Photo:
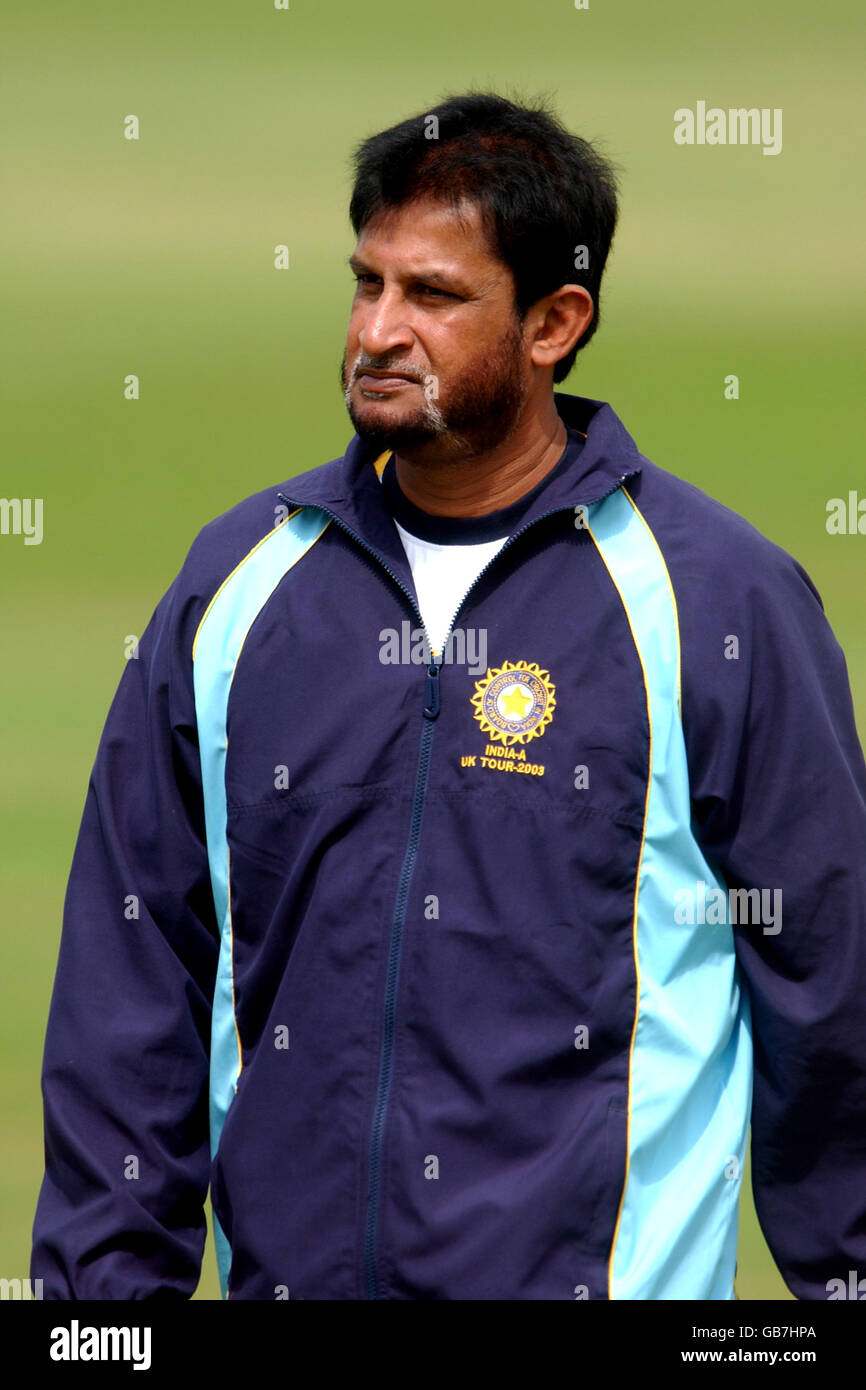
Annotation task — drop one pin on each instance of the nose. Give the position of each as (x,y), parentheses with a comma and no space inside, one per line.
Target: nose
(384,328)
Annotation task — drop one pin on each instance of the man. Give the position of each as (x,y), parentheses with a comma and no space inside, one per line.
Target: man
(478,839)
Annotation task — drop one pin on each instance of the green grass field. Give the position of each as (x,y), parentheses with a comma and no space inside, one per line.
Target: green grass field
(156,258)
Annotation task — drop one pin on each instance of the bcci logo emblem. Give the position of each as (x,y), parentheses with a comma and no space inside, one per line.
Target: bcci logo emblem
(514,702)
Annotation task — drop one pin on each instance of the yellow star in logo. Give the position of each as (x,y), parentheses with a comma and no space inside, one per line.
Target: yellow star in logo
(516,701)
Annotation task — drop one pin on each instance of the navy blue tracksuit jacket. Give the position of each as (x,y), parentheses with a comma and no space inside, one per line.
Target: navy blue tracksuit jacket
(458,983)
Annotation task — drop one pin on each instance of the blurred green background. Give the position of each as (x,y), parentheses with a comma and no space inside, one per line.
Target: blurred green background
(155,257)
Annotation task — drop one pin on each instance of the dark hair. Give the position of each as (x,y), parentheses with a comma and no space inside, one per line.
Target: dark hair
(541,191)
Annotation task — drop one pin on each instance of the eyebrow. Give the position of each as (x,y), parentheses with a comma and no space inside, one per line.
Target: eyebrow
(432,277)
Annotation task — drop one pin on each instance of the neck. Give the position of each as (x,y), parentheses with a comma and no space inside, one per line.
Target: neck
(490,481)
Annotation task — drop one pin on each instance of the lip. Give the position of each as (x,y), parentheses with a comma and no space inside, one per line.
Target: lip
(383,381)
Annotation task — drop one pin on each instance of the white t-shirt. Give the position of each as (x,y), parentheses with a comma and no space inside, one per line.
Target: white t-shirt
(442,575)
(447,554)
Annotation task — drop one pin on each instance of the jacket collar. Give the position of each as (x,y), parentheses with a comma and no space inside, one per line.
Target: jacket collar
(349,489)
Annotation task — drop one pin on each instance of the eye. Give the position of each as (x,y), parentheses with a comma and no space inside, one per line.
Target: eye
(436,292)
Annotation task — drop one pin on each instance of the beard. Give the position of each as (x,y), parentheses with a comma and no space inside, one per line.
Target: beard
(478,413)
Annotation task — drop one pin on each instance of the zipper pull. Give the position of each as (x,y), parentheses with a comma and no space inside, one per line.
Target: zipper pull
(431,692)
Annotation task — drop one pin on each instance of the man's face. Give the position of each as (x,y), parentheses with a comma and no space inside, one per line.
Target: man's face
(434,305)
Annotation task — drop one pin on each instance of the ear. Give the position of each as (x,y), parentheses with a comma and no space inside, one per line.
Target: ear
(556,322)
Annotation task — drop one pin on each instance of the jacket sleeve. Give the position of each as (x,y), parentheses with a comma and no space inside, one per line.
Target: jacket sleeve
(125,1070)
(780,792)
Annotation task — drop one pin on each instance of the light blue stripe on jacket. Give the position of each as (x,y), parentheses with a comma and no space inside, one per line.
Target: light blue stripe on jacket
(690,1081)
(220,637)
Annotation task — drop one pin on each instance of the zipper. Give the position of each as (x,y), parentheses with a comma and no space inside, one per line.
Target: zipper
(431,708)
(386,1059)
